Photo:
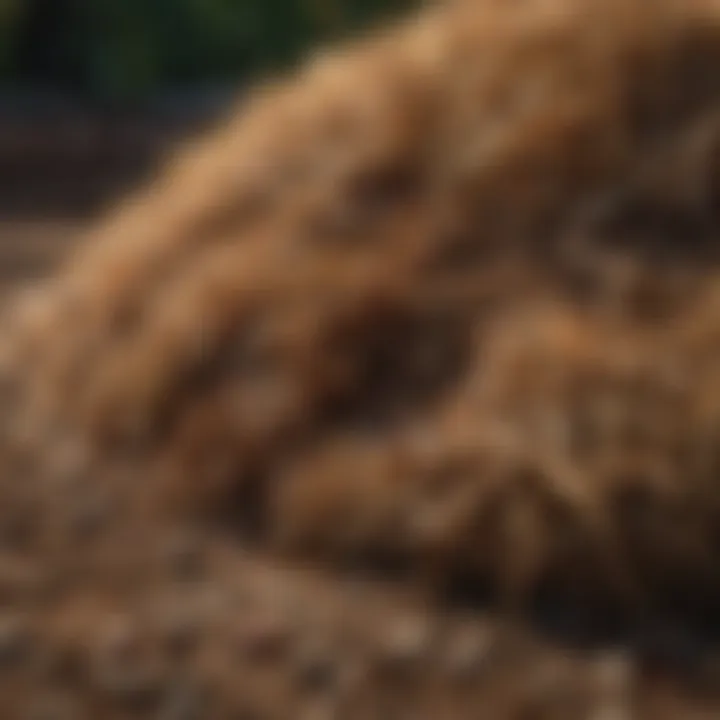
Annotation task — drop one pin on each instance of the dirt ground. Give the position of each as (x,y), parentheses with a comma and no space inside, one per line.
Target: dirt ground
(30,249)
(110,609)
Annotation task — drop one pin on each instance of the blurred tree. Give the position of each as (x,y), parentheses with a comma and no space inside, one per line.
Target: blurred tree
(120,49)
(9,11)
(42,53)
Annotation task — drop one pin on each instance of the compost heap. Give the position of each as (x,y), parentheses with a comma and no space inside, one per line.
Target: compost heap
(418,349)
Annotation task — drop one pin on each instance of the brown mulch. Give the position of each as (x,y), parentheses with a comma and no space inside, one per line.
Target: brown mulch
(394,397)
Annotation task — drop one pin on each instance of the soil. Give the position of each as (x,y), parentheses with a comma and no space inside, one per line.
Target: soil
(325,423)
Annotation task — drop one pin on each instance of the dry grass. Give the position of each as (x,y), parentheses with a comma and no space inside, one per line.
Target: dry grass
(446,301)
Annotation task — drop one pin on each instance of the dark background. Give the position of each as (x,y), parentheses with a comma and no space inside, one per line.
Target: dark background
(124,51)
(94,94)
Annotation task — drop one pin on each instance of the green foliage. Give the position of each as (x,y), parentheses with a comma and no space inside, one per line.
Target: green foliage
(9,14)
(127,48)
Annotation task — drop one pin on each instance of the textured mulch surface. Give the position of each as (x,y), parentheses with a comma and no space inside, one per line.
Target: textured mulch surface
(396,396)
